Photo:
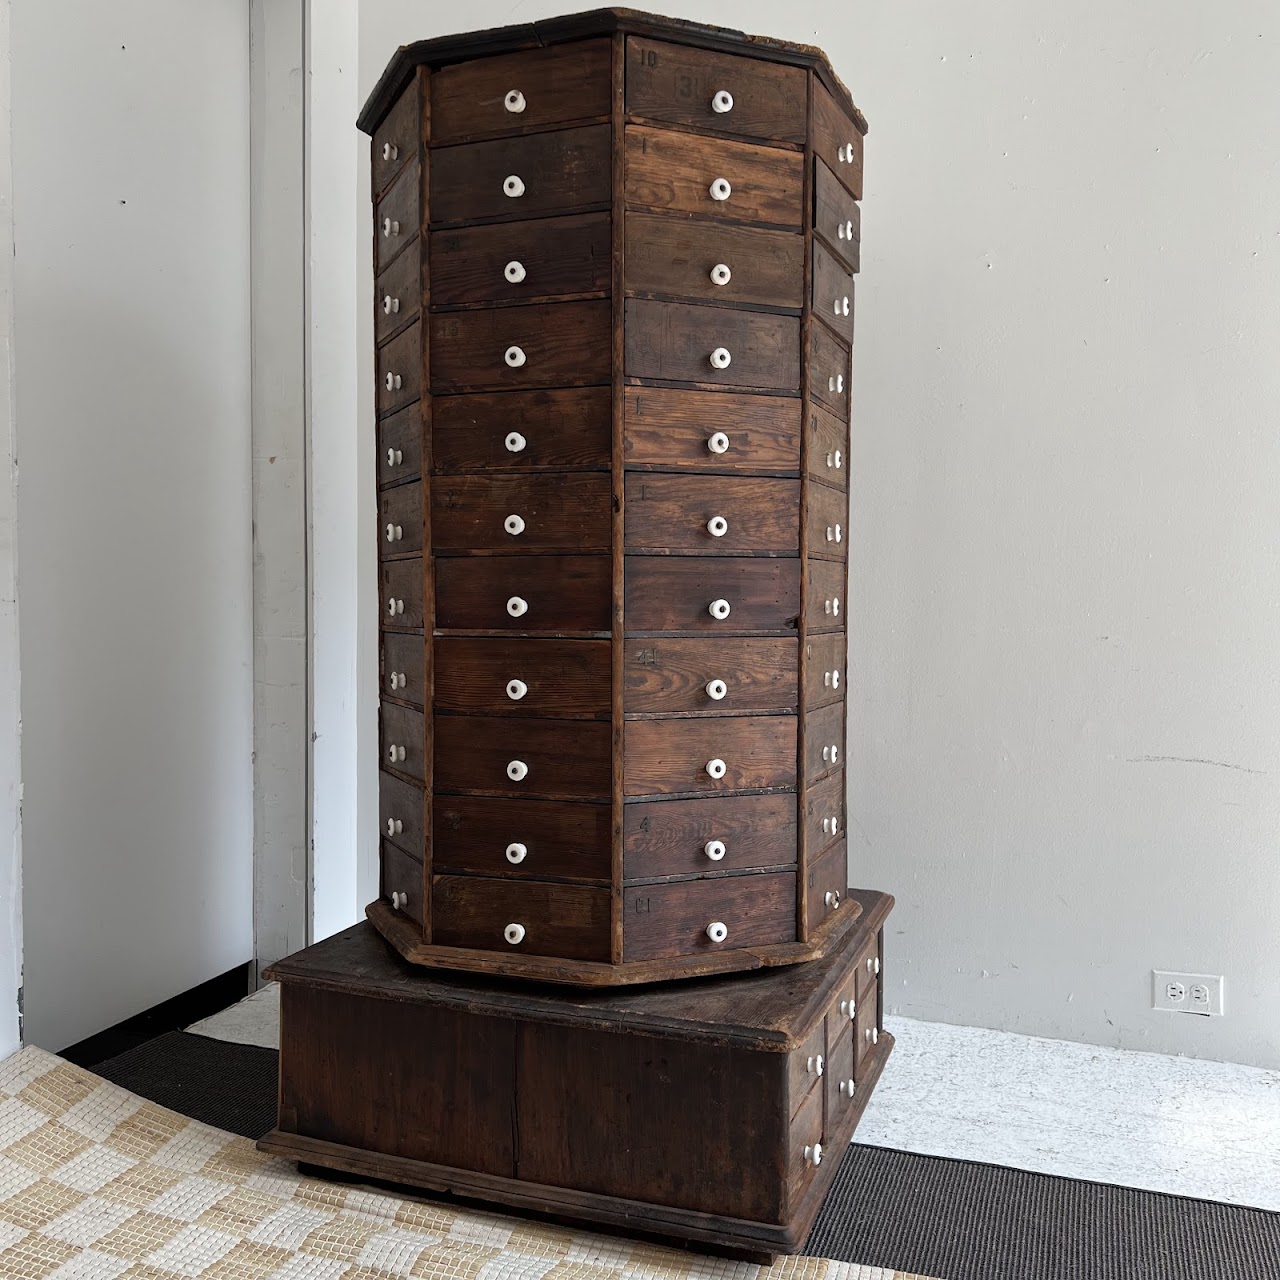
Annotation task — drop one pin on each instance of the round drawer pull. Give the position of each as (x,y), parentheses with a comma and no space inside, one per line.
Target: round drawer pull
(846,1088)
(716,768)
(846,153)
(835,533)
(718,443)
(872,1035)
(720,274)
(826,678)
(815,1066)
(399,900)
(720,189)
(394,457)
(395,754)
(514,271)
(834,460)
(833,606)
(393,382)
(714,849)
(717,931)
(515,442)
(836,383)
(397,680)
(513,185)
(390,151)
(848,1007)
(720,358)
(517,607)
(717,526)
(517,852)
(831,754)
(844,231)
(813,1154)
(835,679)
(873,965)
(395,532)
(394,826)
(390,305)
(832,898)
(514,934)
(517,770)
(514,102)
(830,825)
(395,606)
(841,305)
(719,609)
(390,227)
(516,689)
(722,102)
(514,356)
(716,689)
(514,525)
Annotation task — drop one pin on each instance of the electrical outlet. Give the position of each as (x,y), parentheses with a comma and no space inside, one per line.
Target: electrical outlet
(1187,993)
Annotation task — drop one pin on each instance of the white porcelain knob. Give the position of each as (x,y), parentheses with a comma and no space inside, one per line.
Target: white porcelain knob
(514,271)
(514,934)
(515,442)
(873,965)
(831,754)
(716,768)
(395,606)
(844,231)
(846,1088)
(513,185)
(833,606)
(397,680)
(390,227)
(719,609)
(815,1066)
(828,826)
(813,1154)
(846,153)
(517,852)
(517,607)
(514,102)
(399,900)
(873,1035)
(514,525)
(390,305)
(717,931)
(834,460)
(517,770)
(718,443)
(516,689)
(835,533)
(722,102)
(717,526)
(842,307)
(390,151)
(393,382)
(716,689)
(720,189)
(514,356)
(835,679)
(832,898)
(847,1007)
(395,753)
(395,532)
(836,383)
(720,274)
(720,358)
(394,457)
(394,826)
(714,849)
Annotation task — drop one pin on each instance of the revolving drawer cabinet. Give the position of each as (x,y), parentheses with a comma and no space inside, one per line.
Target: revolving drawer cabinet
(614,262)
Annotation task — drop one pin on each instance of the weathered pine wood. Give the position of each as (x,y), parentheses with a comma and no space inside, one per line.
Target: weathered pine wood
(554,513)
(395,218)
(395,141)
(400,521)
(670,757)
(837,216)
(832,292)
(824,816)
(671,676)
(828,451)
(402,666)
(400,447)
(400,370)
(674,515)
(828,523)
(563,679)
(399,296)
(676,594)
(401,594)
(400,813)
(570,595)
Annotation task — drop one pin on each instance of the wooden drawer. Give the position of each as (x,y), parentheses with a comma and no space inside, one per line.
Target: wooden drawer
(824,813)
(828,523)
(829,371)
(401,667)
(395,218)
(826,607)
(806,1067)
(682,757)
(402,881)
(668,428)
(520,916)
(828,447)
(839,1082)
(676,341)
(825,885)
(400,814)
(400,521)
(563,679)
(571,594)
(563,760)
(400,447)
(867,970)
(713,261)
(712,515)
(677,918)
(521,838)
(825,660)
(832,292)
(400,370)
(837,218)
(517,92)
(670,837)
(521,261)
(824,741)
(669,172)
(568,429)
(561,172)
(403,740)
(704,89)
(399,295)
(837,140)
(677,594)
(400,594)
(505,348)
(840,1020)
(687,674)
(806,1146)
(521,513)
(397,138)
(866,1033)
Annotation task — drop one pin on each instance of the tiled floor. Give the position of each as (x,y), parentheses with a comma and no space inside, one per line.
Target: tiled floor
(1204,1129)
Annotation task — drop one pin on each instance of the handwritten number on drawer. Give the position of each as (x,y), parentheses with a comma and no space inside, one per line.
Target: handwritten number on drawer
(648,57)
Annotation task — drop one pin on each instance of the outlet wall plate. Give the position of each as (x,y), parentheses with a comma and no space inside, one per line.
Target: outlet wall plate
(1200,993)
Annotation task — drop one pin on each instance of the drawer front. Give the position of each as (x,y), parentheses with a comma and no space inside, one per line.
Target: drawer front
(824,813)
(399,295)
(867,971)
(716,431)
(866,1034)
(509,178)
(521,917)
(395,142)
(400,370)
(521,513)
(708,90)
(506,348)
(828,447)
(837,141)
(545,839)
(738,753)
(513,92)
(395,218)
(402,882)
(828,523)
(554,759)
(678,594)
(400,447)
(840,1022)
(520,261)
(839,1081)
(570,595)
(400,520)
(400,814)
(825,661)
(825,885)
(712,515)
(832,292)
(403,740)
(829,371)
(677,342)
(563,679)
(401,594)
(826,607)
(824,741)
(806,1067)
(678,918)
(806,1144)
(403,660)
(697,673)
(837,217)
(713,261)
(668,172)
(670,837)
